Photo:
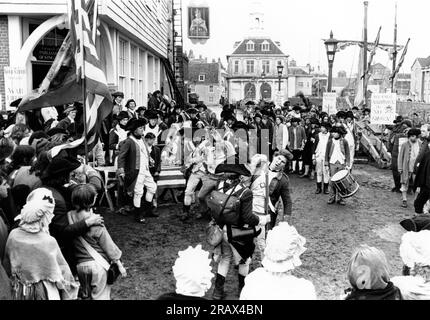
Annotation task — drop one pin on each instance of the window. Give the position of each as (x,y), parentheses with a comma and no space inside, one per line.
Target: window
(236,67)
(123,57)
(300,84)
(202,77)
(265,46)
(266,66)
(133,60)
(250,66)
(211,88)
(141,78)
(211,99)
(250,46)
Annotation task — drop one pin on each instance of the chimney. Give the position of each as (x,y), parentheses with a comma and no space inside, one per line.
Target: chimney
(213,60)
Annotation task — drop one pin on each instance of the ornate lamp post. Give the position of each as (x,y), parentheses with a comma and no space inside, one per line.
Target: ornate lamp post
(280,70)
(331,47)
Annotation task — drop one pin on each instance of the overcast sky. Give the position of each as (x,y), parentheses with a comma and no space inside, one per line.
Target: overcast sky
(301,24)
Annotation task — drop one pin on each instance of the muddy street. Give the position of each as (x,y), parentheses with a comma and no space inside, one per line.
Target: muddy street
(371,217)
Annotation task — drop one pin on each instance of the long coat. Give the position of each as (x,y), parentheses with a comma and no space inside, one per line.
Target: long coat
(404,159)
(301,134)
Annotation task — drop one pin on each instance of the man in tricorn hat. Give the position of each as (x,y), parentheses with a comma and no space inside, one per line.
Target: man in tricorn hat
(231,248)
(133,168)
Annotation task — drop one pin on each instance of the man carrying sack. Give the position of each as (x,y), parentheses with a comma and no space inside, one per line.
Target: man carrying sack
(230,204)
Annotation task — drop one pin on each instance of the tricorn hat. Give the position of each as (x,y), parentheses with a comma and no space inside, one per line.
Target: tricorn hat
(239,169)
(134,123)
(151,114)
(297,108)
(341,114)
(192,111)
(350,114)
(294,119)
(118,94)
(122,115)
(60,166)
(326,125)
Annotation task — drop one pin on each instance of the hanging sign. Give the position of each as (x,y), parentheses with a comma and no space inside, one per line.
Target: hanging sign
(198,23)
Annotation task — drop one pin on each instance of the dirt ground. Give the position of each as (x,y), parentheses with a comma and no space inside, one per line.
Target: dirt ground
(371,217)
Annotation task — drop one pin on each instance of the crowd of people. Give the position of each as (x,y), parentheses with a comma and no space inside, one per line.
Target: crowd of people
(54,245)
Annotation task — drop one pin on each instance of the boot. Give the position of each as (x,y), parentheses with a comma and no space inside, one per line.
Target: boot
(138,215)
(241,283)
(219,293)
(149,210)
(186,214)
(318,188)
(326,188)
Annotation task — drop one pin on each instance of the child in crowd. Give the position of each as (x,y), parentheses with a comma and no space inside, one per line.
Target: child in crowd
(95,251)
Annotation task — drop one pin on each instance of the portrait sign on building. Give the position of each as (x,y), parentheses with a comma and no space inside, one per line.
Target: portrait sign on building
(198,23)
(15,82)
(383,108)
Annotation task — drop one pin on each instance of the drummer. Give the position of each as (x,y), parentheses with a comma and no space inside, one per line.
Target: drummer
(337,158)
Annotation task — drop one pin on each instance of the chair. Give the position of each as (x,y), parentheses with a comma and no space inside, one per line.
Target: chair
(109,181)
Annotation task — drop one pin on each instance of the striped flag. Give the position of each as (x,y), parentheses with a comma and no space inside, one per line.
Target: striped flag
(402,59)
(98,102)
(372,54)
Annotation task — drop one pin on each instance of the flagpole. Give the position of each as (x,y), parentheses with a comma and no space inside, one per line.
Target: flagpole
(395,48)
(95,21)
(84,89)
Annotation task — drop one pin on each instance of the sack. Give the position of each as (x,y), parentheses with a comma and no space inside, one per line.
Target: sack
(214,234)
(242,234)
(224,208)
(112,274)
(186,171)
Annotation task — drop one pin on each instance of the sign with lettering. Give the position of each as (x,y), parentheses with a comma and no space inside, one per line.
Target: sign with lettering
(46,53)
(15,83)
(383,110)
(329,102)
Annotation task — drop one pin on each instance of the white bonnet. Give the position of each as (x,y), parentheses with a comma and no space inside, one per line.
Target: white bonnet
(284,246)
(415,248)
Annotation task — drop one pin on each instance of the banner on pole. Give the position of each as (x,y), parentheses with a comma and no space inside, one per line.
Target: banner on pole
(15,83)
(329,102)
(383,108)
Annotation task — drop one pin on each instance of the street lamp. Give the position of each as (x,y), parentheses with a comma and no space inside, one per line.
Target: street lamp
(280,70)
(331,47)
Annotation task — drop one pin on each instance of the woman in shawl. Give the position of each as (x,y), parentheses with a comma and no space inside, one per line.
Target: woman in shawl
(274,281)
(193,274)
(368,276)
(33,258)
(415,253)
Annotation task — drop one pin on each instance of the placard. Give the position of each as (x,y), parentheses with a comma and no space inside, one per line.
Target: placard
(383,109)
(15,83)
(329,102)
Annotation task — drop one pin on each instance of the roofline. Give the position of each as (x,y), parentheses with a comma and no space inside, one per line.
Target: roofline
(258,55)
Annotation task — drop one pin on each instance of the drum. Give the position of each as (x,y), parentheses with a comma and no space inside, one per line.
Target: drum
(345,183)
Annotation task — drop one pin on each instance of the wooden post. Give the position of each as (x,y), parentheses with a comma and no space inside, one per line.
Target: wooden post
(394,49)
(365,51)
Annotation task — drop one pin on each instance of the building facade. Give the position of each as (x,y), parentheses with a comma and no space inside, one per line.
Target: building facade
(207,80)
(418,75)
(133,38)
(253,66)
